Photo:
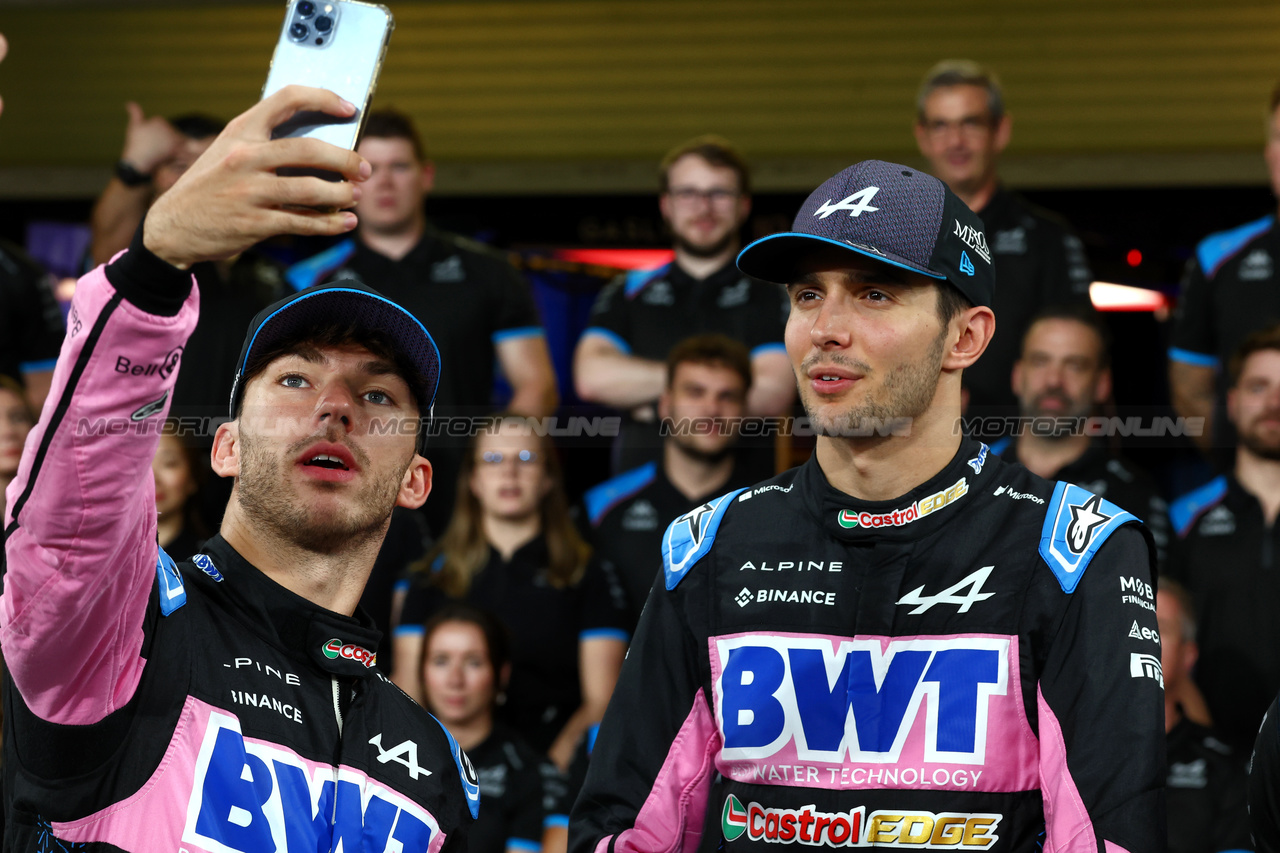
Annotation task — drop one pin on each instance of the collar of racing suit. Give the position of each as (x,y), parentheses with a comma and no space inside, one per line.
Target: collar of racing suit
(331,642)
(918,513)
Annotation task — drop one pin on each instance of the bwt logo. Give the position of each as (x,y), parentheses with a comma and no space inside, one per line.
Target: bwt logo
(252,797)
(859,700)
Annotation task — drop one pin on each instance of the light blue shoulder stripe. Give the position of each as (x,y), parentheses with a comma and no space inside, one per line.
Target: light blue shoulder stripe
(173,593)
(1184,511)
(638,280)
(1076,524)
(691,536)
(313,270)
(524,844)
(1198,359)
(774,346)
(1216,249)
(515,334)
(1000,445)
(609,335)
(601,498)
(38,366)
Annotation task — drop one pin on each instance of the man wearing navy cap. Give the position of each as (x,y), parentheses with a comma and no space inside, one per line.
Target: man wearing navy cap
(906,641)
(230,703)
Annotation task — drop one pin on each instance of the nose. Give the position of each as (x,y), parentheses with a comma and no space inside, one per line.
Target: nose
(832,325)
(336,405)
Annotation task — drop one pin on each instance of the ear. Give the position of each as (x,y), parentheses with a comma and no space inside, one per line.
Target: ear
(1102,387)
(664,404)
(416,484)
(504,676)
(1015,378)
(664,205)
(1232,403)
(922,139)
(1004,131)
(224,458)
(428,176)
(1190,654)
(744,208)
(974,326)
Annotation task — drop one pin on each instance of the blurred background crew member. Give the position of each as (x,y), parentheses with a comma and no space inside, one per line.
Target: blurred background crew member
(1205,789)
(16,419)
(1227,552)
(708,380)
(1231,287)
(961,129)
(464,670)
(31,326)
(481,309)
(620,361)
(1064,375)
(511,549)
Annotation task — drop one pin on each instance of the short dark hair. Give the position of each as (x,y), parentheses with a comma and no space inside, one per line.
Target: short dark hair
(950,301)
(1080,312)
(495,633)
(393,124)
(197,126)
(1259,341)
(961,72)
(331,335)
(714,349)
(716,150)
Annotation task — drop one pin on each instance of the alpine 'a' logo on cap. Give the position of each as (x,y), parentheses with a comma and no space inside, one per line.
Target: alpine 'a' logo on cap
(335,649)
(974,239)
(733,820)
(857,204)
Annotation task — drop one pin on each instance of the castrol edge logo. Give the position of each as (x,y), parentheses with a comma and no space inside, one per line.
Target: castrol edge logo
(900,517)
(811,827)
(335,649)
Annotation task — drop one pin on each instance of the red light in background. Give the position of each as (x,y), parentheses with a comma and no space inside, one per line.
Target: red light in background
(623,259)
(1134,258)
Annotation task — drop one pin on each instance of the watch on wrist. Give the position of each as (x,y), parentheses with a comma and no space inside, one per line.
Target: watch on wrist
(129,175)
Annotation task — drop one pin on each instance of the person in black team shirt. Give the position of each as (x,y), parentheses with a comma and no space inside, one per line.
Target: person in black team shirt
(480,309)
(708,378)
(961,129)
(511,549)
(465,667)
(31,326)
(1062,376)
(1206,784)
(1227,549)
(640,316)
(1230,288)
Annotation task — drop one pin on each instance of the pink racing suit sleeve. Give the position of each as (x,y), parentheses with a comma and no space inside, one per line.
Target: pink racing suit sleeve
(80,518)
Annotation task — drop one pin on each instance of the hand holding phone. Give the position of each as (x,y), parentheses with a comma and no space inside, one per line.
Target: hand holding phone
(337,45)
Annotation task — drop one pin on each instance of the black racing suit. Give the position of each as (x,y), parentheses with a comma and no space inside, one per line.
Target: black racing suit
(199,707)
(952,669)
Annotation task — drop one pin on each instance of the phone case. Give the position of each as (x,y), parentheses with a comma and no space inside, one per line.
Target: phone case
(347,61)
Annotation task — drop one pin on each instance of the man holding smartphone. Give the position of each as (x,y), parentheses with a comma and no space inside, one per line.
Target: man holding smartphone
(230,703)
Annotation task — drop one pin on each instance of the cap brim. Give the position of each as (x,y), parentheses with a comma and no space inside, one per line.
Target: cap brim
(779,257)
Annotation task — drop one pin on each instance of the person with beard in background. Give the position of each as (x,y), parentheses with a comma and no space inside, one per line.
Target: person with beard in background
(620,360)
(708,379)
(1062,376)
(1225,551)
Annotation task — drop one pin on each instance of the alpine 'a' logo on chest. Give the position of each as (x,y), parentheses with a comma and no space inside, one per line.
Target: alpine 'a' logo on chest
(951,595)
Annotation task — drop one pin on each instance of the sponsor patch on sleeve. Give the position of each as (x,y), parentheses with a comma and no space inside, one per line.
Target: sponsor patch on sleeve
(1075,526)
(173,594)
(690,537)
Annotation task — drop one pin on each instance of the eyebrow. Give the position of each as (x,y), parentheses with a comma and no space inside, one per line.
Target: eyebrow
(373,367)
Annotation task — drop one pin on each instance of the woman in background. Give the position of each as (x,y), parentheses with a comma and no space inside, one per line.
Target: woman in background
(464,668)
(179,528)
(511,549)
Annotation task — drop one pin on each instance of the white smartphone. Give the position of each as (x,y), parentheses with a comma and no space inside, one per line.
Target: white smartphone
(330,44)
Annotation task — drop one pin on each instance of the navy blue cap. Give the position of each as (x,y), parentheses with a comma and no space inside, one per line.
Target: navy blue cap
(889,213)
(344,302)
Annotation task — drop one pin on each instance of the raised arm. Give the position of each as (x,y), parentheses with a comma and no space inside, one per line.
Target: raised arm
(80,530)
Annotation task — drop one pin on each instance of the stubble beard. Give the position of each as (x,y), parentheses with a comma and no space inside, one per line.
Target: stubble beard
(1253,440)
(906,393)
(270,505)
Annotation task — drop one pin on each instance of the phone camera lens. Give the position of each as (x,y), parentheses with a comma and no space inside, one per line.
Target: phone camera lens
(306,8)
(298,32)
(324,24)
